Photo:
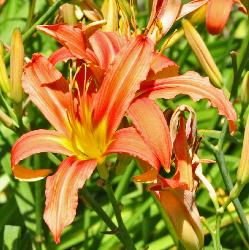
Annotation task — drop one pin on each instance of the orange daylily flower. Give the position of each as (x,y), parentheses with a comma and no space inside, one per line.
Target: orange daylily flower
(85,125)
(162,80)
(112,73)
(217,13)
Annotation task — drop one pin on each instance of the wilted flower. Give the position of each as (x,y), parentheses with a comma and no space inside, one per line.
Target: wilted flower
(176,194)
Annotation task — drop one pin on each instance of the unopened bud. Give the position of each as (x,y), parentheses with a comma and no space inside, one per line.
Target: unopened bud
(198,16)
(180,207)
(245,89)
(90,10)
(16,66)
(4,80)
(243,170)
(110,13)
(202,53)
(68,12)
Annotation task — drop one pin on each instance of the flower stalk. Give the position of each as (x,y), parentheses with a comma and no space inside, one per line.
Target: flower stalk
(127,239)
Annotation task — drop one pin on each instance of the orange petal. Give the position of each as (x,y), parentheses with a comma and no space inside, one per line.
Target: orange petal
(180,207)
(128,141)
(146,177)
(217,15)
(62,54)
(69,36)
(48,90)
(151,124)
(162,67)
(36,141)
(197,87)
(106,45)
(122,80)
(24,174)
(62,193)
(163,16)
(191,7)
(183,160)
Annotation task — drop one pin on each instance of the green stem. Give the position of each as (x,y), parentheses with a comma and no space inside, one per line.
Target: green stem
(102,214)
(123,184)
(130,222)
(127,239)
(43,18)
(219,155)
(210,230)
(244,60)
(119,192)
(31,13)
(217,231)
(38,207)
(235,83)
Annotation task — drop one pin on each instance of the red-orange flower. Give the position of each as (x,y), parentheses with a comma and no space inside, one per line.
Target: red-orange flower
(85,123)
(112,73)
(217,14)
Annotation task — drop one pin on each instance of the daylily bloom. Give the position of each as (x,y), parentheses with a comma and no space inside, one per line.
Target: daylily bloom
(99,49)
(175,194)
(112,71)
(217,13)
(85,125)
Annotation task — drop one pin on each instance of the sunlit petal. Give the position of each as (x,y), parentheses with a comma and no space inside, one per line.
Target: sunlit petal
(47,89)
(162,67)
(151,124)
(128,141)
(106,45)
(69,36)
(197,87)
(191,7)
(62,54)
(36,141)
(163,16)
(62,193)
(122,81)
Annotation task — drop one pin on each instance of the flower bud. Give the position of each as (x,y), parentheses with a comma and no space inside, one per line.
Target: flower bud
(91,10)
(110,13)
(198,16)
(4,80)
(243,170)
(202,53)
(180,207)
(68,12)
(245,89)
(16,66)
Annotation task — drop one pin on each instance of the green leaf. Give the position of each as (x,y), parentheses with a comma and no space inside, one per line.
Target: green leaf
(11,237)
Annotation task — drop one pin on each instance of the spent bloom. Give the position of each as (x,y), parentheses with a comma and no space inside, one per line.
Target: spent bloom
(174,144)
